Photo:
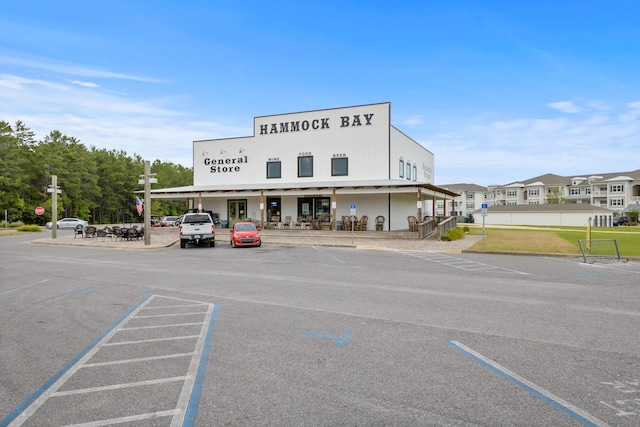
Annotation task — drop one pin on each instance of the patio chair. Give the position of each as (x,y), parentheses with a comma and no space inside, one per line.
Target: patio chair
(132,234)
(275,222)
(78,231)
(90,232)
(362,223)
(379,223)
(118,234)
(297,223)
(413,223)
(287,222)
(325,222)
(344,223)
(101,233)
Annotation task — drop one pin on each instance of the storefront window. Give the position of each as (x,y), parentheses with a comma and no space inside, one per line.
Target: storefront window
(305,166)
(274,170)
(340,166)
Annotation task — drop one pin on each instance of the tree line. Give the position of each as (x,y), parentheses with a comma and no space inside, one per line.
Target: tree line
(97,185)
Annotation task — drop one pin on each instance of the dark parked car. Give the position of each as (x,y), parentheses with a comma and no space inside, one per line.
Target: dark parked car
(620,220)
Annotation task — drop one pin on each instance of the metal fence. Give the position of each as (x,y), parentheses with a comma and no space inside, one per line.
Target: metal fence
(600,249)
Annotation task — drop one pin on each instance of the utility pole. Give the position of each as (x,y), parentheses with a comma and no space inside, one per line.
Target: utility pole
(147,179)
(54,190)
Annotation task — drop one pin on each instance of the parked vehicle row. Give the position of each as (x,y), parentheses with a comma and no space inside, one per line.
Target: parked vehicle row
(68,223)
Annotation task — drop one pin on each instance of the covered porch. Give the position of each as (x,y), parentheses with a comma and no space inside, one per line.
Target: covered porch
(395,200)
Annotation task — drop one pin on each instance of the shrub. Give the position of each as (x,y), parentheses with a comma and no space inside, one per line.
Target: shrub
(30,228)
(15,224)
(453,234)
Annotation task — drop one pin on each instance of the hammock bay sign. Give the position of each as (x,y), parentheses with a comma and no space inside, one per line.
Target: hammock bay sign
(315,124)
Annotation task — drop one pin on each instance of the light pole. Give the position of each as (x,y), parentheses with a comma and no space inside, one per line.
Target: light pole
(54,190)
(147,179)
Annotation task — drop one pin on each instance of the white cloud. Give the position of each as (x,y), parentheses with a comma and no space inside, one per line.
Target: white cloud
(565,106)
(148,127)
(84,84)
(66,68)
(412,121)
(507,151)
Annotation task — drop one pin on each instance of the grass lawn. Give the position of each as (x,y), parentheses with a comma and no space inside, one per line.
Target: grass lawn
(554,240)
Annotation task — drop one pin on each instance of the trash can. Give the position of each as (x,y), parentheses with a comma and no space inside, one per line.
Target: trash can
(338,225)
(224,223)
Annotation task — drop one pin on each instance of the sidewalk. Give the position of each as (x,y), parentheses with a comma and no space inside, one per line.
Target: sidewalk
(385,240)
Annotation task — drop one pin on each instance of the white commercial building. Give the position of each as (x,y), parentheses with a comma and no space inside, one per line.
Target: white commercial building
(309,164)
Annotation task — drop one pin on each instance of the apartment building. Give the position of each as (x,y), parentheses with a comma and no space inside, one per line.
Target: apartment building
(616,192)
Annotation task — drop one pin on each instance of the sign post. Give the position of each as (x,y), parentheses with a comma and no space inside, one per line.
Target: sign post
(54,190)
(147,179)
(353,217)
(484,214)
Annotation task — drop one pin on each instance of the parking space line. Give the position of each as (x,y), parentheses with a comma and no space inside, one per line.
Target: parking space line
(140,359)
(169,315)
(188,395)
(545,395)
(130,419)
(10,291)
(174,325)
(185,337)
(117,386)
(457,262)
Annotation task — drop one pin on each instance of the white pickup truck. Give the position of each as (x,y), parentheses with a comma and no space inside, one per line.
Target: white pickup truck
(197,228)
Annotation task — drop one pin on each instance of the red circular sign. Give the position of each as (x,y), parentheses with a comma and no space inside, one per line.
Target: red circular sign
(39,210)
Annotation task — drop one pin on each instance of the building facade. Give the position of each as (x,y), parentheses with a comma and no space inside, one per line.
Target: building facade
(615,192)
(313,163)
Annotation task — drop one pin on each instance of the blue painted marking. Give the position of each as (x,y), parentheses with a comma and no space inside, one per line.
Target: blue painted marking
(80,294)
(24,405)
(340,336)
(24,287)
(599,276)
(196,393)
(524,386)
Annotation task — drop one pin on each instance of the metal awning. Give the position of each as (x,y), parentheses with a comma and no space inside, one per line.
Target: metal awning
(340,187)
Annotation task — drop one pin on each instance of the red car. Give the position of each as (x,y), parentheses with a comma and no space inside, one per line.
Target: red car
(245,234)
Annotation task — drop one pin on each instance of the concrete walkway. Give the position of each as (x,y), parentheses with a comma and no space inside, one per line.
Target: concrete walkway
(165,237)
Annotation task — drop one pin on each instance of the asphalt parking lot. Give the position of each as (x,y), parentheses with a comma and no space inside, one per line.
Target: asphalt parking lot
(314,335)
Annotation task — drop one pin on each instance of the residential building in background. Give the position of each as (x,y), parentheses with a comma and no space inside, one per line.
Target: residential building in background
(615,192)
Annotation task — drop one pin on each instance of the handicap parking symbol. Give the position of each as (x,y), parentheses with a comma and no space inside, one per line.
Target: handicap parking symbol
(340,336)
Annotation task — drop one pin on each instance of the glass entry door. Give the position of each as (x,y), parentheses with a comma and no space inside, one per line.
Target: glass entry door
(236,211)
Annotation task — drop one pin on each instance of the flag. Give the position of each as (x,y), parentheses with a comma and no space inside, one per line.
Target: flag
(139,206)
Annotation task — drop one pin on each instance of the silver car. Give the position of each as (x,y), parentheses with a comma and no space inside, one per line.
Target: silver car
(69,223)
(172,221)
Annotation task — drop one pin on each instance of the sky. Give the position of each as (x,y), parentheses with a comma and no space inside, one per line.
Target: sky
(499,91)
